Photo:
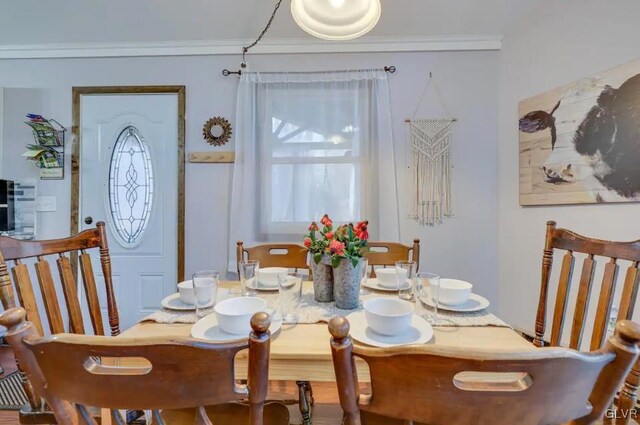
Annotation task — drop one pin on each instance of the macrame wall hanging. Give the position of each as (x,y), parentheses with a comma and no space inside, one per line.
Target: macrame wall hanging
(431,149)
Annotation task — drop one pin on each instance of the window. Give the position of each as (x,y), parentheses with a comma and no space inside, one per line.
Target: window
(130,186)
(309,143)
(313,157)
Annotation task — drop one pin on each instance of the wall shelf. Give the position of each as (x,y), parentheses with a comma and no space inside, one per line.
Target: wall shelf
(48,149)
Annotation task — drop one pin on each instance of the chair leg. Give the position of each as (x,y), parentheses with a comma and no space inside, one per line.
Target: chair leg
(305,401)
(34,399)
(628,398)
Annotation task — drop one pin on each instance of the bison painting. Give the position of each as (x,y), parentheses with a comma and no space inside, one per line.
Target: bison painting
(581,143)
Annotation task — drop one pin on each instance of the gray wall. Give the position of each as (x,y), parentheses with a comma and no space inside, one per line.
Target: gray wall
(464,247)
(562,41)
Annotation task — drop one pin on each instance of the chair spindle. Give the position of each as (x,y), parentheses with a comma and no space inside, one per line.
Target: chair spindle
(49,297)
(582,302)
(564,286)
(70,291)
(89,283)
(26,295)
(605,300)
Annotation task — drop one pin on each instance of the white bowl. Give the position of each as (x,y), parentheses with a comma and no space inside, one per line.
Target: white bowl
(268,276)
(388,316)
(453,291)
(188,295)
(234,314)
(390,277)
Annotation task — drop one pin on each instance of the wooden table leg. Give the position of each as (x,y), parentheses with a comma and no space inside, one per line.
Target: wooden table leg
(305,401)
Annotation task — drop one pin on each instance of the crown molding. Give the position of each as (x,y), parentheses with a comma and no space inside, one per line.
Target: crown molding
(273,46)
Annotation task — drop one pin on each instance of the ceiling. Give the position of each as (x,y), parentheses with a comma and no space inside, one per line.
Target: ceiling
(115,21)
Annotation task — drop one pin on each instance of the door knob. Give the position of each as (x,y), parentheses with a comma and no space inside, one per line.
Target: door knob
(88,220)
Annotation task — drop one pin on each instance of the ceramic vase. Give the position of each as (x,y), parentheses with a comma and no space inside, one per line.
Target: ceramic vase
(322,280)
(346,284)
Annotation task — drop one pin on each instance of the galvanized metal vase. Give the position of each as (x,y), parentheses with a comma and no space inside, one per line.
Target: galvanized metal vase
(322,280)
(346,284)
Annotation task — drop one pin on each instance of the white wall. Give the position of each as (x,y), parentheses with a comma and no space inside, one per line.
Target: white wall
(465,246)
(19,102)
(1,129)
(562,41)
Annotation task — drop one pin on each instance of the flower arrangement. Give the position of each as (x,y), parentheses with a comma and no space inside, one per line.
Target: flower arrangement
(347,242)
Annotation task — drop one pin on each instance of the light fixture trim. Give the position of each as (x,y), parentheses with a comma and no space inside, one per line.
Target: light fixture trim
(313,17)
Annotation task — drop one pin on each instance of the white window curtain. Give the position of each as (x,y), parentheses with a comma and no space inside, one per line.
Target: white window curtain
(309,144)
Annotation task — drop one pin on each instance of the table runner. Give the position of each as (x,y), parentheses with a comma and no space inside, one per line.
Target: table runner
(310,311)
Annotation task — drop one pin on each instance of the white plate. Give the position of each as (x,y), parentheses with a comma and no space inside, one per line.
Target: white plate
(474,303)
(261,286)
(373,283)
(207,328)
(173,302)
(420,332)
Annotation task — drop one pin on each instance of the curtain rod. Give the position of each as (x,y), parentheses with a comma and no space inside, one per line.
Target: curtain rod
(390,69)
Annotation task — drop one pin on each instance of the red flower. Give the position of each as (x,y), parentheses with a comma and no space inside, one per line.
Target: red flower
(313,226)
(329,235)
(326,221)
(362,230)
(336,247)
(307,242)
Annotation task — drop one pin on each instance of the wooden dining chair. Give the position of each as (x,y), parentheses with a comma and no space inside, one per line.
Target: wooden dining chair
(573,243)
(290,256)
(75,372)
(20,253)
(386,254)
(439,386)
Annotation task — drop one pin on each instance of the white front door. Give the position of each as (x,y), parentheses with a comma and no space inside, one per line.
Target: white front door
(129,179)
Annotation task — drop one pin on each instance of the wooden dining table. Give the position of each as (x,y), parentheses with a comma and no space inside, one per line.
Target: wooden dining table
(302,352)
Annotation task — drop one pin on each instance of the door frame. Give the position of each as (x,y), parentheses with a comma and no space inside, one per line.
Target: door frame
(78,92)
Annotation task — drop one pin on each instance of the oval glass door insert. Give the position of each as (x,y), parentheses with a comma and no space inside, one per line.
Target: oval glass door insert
(130,186)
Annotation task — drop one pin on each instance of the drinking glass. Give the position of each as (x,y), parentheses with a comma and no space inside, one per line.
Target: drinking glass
(406,272)
(205,288)
(249,277)
(290,285)
(365,275)
(428,287)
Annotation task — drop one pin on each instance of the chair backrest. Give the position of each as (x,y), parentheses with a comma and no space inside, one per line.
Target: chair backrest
(74,372)
(13,250)
(563,239)
(291,256)
(386,254)
(438,386)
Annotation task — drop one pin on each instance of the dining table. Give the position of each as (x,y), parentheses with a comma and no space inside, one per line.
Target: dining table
(301,352)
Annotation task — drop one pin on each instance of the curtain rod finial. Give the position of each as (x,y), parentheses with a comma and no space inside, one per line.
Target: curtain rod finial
(226,72)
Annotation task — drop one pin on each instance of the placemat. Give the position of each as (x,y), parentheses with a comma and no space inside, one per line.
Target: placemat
(310,311)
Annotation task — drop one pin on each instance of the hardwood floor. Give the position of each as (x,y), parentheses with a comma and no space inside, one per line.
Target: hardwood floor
(9,365)
(326,411)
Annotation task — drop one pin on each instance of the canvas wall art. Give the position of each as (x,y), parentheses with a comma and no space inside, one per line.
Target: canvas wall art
(580,143)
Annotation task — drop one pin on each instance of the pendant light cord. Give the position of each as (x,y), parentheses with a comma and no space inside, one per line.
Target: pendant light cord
(246,49)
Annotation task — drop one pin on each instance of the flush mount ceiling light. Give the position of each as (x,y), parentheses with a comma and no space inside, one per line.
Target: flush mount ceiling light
(336,19)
